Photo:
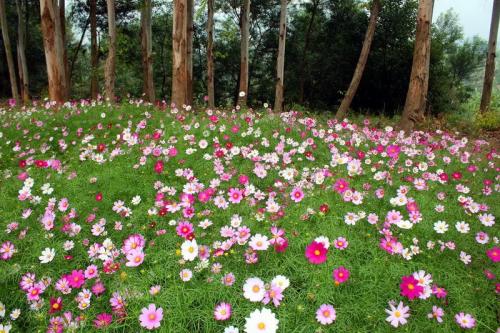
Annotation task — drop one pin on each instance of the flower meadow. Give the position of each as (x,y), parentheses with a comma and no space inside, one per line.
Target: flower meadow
(138,217)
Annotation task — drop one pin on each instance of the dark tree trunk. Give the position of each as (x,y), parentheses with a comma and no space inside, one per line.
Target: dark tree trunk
(245,37)
(210,54)
(304,63)
(147,51)
(280,62)
(111,61)
(489,72)
(8,51)
(179,53)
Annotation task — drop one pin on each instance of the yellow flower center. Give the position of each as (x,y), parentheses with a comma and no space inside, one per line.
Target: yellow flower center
(397,314)
(411,286)
(256,289)
(317,252)
(261,326)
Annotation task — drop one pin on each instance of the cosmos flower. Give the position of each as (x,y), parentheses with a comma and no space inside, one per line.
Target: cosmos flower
(254,289)
(465,320)
(316,253)
(410,288)
(397,315)
(340,275)
(326,314)
(222,311)
(261,321)
(151,317)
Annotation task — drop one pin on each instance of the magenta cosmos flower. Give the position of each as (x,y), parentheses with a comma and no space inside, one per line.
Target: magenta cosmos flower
(341,185)
(326,314)
(151,317)
(410,288)
(297,194)
(340,275)
(494,254)
(76,279)
(103,320)
(316,253)
(222,311)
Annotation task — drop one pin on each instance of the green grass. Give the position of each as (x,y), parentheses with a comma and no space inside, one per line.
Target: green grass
(188,306)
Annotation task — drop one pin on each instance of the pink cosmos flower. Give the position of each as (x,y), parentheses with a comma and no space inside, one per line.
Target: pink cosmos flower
(437,313)
(340,243)
(340,275)
(222,311)
(103,320)
(76,279)
(326,314)
(228,279)
(494,254)
(235,195)
(135,258)
(341,185)
(184,229)
(91,272)
(439,292)
(393,151)
(274,294)
(297,194)
(465,320)
(151,317)
(158,166)
(316,253)
(410,288)
(7,250)
(98,288)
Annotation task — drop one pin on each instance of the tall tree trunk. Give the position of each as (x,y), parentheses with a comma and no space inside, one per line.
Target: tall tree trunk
(245,37)
(363,57)
(304,64)
(94,56)
(110,61)
(416,98)
(78,47)
(8,51)
(21,51)
(189,59)
(147,51)
(210,54)
(54,50)
(280,63)
(489,72)
(179,53)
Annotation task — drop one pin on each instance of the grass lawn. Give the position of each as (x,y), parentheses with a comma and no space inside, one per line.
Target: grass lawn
(84,179)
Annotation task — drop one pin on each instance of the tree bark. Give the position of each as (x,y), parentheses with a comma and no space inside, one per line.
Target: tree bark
(304,63)
(110,61)
(179,53)
(54,50)
(78,47)
(489,72)
(189,59)
(147,51)
(416,98)
(363,57)
(21,51)
(245,37)
(280,62)
(210,54)
(8,51)
(94,57)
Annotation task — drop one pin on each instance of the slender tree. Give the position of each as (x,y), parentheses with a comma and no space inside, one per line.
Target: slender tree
(54,50)
(110,61)
(416,98)
(21,51)
(147,51)
(94,57)
(244,49)
(210,54)
(189,51)
(280,62)
(363,57)
(489,72)
(62,20)
(8,51)
(179,53)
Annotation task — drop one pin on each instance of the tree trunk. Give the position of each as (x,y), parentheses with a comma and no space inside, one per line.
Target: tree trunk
(245,36)
(210,54)
(94,56)
(416,98)
(78,47)
(280,62)
(21,51)
(54,50)
(147,51)
(179,53)
(304,63)
(489,72)
(110,61)
(8,51)
(363,57)
(189,59)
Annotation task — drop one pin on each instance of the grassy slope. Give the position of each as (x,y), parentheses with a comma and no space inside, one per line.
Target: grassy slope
(189,306)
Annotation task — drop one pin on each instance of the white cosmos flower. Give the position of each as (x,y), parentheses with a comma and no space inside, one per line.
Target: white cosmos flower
(47,255)
(441,227)
(261,321)
(281,281)
(254,289)
(462,227)
(136,200)
(189,250)
(259,242)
